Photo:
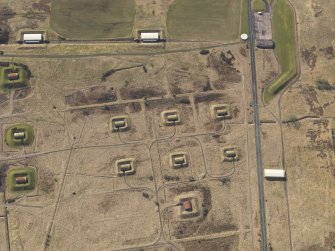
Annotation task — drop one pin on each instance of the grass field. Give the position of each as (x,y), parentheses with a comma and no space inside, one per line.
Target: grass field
(283,28)
(244,17)
(15,172)
(204,19)
(271,2)
(257,5)
(29,135)
(86,19)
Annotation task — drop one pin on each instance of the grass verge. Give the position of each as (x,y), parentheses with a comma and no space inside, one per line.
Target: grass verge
(244,17)
(283,28)
(204,19)
(257,5)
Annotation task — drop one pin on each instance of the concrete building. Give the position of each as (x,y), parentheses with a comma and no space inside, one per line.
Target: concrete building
(263,30)
(13,76)
(32,38)
(21,179)
(265,44)
(274,174)
(150,36)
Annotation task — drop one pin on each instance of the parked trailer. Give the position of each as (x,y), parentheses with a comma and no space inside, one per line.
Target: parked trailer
(32,38)
(274,174)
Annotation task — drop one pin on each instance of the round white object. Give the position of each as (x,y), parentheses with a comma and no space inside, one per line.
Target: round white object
(244,36)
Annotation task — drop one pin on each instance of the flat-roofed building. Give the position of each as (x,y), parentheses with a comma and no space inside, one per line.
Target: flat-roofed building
(274,173)
(32,38)
(150,36)
(13,76)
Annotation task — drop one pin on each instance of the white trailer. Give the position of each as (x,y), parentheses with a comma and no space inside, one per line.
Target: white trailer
(150,36)
(274,174)
(32,38)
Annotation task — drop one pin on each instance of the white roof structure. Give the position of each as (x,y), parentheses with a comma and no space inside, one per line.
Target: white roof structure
(244,36)
(32,37)
(150,36)
(274,173)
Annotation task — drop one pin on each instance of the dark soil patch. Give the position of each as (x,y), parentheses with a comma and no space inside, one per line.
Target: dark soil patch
(23,93)
(110,72)
(184,100)
(179,82)
(105,205)
(329,244)
(269,78)
(318,10)
(235,111)
(135,107)
(223,64)
(243,52)
(4,32)
(3,98)
(32,15)
(47,180)
(168,103)
(311,98)
(208,98)
(320,145)
(42,5)
(6,13)
(115,109)
(205,87)
(329,52)
(92,95)
(139,93)
(3,174)
(309,56)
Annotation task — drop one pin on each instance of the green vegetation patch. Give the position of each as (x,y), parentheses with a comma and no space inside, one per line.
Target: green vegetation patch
(283,28)
(20,82)
(18,173)
(244,17)
(257,5)
(98,19)
(204,19)
(19,135)
(324,85)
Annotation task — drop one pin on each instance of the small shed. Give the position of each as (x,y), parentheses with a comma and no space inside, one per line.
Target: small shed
(274,173)
(19,135)
(13,76)
(32,38)
(150,36)
(21,179)
(187,206)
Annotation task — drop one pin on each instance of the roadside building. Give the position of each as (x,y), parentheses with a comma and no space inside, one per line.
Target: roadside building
(265,44)
(150,36)
(32,38)
(274,174)
(263,30)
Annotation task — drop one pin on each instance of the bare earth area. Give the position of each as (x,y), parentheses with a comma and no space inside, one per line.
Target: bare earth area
(151,146)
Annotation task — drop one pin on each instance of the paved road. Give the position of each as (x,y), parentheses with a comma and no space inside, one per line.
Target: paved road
(257,129)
